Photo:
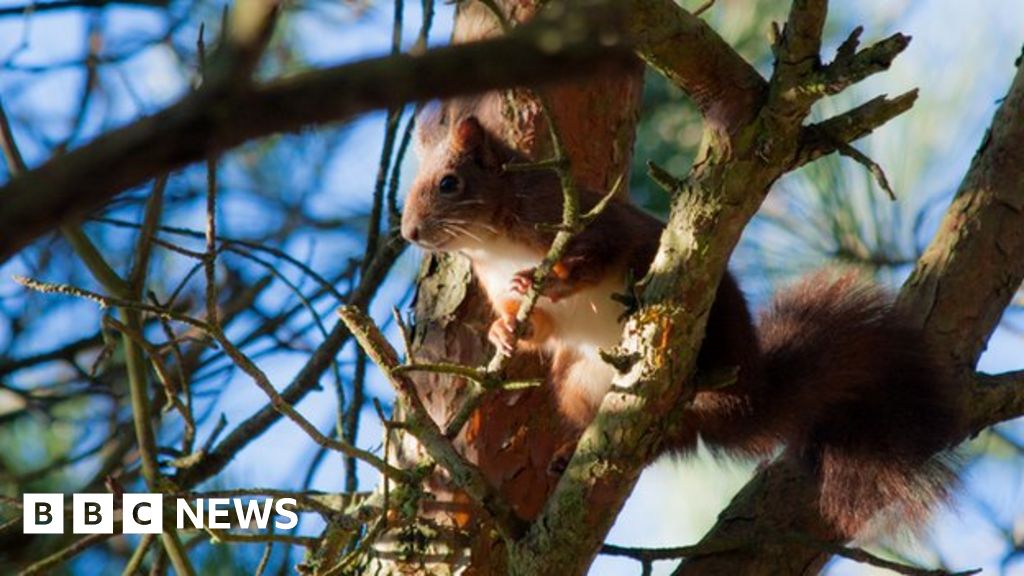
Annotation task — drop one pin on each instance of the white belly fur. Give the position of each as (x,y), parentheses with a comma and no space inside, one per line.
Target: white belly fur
(585,322)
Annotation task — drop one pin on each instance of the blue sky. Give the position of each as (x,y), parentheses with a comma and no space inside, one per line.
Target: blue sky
(961,58)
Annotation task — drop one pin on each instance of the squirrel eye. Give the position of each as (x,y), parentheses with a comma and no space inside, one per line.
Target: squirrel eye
(448,184)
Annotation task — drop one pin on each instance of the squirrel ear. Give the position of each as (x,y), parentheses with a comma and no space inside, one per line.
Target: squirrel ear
(470,137)
(467,135)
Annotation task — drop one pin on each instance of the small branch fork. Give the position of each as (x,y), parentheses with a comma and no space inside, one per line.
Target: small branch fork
(799,80)
(731,93)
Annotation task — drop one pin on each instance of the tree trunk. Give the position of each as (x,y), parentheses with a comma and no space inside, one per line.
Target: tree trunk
(513,435)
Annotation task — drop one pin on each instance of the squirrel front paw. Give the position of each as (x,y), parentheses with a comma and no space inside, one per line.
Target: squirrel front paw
(522,281)
(555,288)
(502,334)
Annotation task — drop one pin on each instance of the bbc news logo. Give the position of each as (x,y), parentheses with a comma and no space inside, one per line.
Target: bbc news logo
(144,513)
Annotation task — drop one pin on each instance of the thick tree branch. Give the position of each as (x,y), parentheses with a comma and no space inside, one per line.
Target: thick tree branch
(958,291)
(974,265)
(995,398)
(219,117)
(726,88)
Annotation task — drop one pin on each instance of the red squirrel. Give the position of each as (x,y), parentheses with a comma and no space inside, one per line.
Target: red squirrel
(832,371)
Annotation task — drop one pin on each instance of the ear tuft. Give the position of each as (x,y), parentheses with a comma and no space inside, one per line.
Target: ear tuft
(467,135)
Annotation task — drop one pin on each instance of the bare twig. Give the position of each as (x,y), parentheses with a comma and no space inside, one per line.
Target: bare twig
(282,406)
(88,176)
(418,422)
(46,565)
(210,257)
(824,137)
(703,7)
(647,555)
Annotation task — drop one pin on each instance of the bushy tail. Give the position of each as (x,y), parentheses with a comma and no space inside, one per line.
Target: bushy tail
(854,391)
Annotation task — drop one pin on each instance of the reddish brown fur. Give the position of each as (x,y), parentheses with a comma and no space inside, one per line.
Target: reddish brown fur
(833,372)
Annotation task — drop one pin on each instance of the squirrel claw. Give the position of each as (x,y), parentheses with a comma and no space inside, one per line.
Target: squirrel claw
(554,289)
(502,336)
(522,281)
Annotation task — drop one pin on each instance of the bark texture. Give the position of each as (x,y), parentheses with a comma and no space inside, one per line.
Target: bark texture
(514,435)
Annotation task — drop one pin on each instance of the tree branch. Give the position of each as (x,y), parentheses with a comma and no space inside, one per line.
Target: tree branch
(969,273)
(851,67)
(996,398)
(647,555)
(826,137)
(218,117)
(682,47)
(729,91)
(958,291)
(419,423)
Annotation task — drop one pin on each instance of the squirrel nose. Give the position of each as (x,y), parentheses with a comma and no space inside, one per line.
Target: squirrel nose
(411,232)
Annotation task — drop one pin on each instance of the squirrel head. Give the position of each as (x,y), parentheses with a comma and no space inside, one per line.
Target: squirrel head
(459,191)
